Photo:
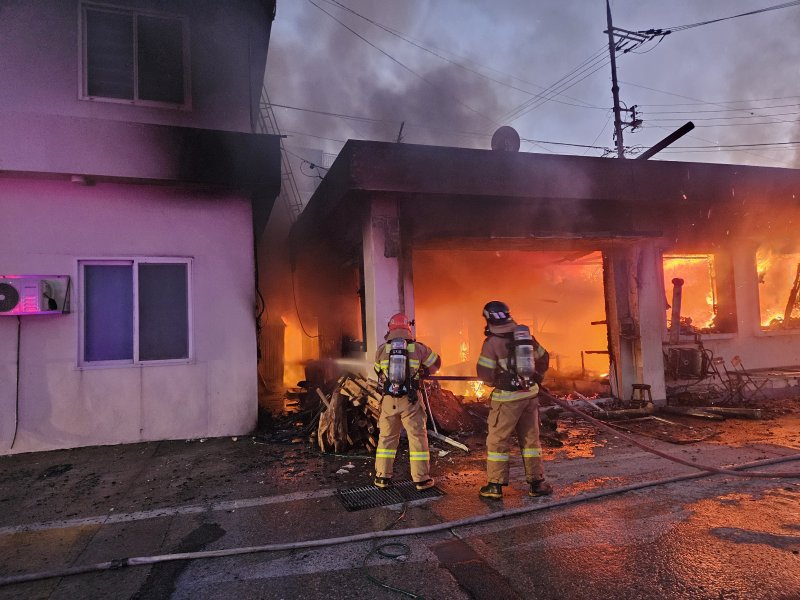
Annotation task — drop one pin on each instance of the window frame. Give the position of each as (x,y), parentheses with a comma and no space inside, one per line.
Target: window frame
(134,262)
(83,82)
(730,300)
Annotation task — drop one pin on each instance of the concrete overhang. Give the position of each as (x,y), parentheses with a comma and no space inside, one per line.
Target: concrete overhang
(47,145)
(449,193)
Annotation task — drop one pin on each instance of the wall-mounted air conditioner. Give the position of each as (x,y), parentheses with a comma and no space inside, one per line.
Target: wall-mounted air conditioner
(34,294)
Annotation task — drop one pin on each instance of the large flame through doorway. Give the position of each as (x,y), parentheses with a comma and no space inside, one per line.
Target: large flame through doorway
(557,294)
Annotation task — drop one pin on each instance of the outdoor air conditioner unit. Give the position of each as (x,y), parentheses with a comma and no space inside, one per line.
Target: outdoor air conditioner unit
(32,294)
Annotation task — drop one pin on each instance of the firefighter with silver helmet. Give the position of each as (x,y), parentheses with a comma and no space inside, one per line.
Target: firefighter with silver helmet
(399,363)
(514,363)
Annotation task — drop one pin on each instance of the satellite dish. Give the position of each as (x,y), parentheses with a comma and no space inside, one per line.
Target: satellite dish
(505,138)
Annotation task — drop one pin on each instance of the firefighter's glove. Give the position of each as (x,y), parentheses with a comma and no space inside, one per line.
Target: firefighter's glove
(537,377)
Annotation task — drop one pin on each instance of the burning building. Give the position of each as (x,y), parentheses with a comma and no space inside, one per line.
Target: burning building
(584,250)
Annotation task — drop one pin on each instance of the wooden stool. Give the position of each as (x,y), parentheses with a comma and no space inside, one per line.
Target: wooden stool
(641,392)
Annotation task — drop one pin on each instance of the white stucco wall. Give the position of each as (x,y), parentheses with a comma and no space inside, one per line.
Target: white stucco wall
(47,226)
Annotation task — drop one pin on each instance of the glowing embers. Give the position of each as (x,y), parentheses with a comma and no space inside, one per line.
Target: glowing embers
(779,281)
(698,304)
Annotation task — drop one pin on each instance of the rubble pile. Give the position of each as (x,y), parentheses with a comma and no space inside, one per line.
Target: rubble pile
(447,410)
(348,417)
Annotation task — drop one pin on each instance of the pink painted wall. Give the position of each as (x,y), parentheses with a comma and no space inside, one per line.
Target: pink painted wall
(47,226)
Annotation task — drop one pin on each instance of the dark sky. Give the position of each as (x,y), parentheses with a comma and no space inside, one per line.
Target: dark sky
(458,69)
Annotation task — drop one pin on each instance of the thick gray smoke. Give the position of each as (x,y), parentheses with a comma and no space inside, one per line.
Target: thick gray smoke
(316,63)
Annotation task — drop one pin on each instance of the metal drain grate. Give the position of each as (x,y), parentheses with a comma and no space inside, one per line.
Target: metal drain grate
(369,496)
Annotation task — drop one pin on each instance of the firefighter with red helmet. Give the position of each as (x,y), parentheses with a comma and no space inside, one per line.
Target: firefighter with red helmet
(514,363)
(399,363)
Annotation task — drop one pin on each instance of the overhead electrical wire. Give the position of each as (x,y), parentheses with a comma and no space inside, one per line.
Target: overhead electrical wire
(731,117)
(701,103)
(733,124)
(319,137)
(745,14)
(706,103)
(563,83)
(672,29)
(718,110)
(585,69)
(730,146)
(403,65)
(460,65)
(413,125)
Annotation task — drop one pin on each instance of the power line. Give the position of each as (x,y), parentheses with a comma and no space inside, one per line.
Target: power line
(319,137)
(704,103)
(417,44)
(730,146)
(656,122)
(745,14)
(417,125)
(406,67)
(728,118)
(595,62)
(718,110)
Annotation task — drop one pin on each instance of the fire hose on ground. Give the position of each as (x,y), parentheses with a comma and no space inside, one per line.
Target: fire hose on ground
(706,471)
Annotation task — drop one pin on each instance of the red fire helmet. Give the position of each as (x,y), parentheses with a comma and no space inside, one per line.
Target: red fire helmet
(400,321)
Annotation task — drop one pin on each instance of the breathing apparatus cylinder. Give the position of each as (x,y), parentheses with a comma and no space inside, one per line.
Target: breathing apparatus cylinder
(396,384)
(524,358)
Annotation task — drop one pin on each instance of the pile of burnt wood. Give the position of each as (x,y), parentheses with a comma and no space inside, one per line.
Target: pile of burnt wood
(347,417)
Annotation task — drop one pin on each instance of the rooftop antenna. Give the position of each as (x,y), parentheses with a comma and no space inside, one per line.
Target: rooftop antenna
(400,133)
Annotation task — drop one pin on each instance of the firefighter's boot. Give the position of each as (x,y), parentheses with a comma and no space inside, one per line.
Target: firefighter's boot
(382,482)
(424,485)
(540,487)
(492,490)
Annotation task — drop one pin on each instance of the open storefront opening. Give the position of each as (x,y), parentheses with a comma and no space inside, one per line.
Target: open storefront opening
(558,294)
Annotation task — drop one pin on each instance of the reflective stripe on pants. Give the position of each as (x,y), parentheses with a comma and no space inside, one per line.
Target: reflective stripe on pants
(505,418)
(396,414)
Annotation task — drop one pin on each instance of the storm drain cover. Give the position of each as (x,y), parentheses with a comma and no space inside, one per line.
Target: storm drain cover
(369,496)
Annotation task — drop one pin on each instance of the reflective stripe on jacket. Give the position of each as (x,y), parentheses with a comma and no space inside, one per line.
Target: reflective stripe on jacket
(493,361)
(419,355)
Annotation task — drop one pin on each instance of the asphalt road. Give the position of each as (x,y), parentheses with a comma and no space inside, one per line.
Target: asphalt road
(715,537)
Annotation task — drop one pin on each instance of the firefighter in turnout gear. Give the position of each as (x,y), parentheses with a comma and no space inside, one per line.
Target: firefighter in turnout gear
(399,363)
(514,363)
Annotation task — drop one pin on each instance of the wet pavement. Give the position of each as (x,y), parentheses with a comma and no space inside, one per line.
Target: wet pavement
(715,537)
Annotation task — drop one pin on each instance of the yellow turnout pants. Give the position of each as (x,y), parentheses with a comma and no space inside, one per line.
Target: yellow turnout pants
(505,418)
(397,413)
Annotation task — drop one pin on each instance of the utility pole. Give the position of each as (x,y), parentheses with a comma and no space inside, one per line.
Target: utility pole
(614,86)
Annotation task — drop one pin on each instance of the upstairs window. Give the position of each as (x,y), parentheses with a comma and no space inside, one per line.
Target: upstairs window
(134,57)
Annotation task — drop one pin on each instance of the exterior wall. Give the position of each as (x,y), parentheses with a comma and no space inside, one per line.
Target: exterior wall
(40,45)
(46,227)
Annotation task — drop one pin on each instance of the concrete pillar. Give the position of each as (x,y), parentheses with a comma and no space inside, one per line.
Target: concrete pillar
(616,270)
(651,321)
(388,287)
(748,317)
